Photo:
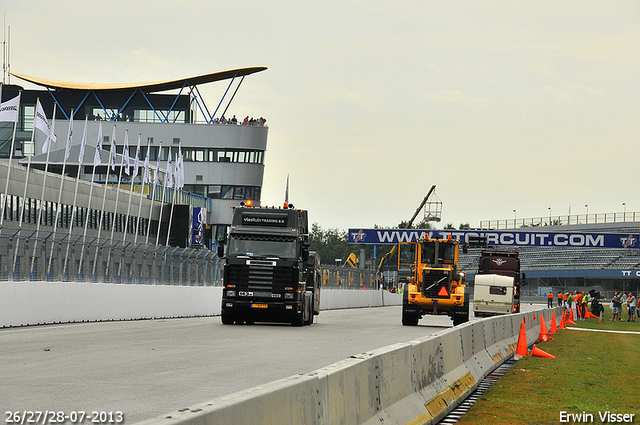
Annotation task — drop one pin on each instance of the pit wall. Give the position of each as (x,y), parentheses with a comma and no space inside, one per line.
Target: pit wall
(34,303)
(418,382)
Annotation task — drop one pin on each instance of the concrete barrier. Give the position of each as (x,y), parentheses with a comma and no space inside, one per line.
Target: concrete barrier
(34,303)
(414,383)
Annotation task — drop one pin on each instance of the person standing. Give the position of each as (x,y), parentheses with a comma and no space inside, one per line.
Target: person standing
(550,300)
(578,298)
(616,304)
(632,303)
(559,298)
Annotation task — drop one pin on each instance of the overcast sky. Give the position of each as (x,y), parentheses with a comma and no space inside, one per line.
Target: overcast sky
(506,105)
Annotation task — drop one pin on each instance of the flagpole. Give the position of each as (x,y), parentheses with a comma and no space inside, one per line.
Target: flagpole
(97,158)
(156,180)
(26,183)
(67,148)
(10,165)
(104,197)
(134,173)
(75,193)
(145,178)
(115,209)
(44,184)
(164,192)
(173,201)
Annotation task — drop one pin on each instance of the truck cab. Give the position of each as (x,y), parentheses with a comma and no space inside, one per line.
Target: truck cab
(269,273)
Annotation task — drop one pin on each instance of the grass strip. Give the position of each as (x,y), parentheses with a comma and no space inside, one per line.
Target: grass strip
(593,373)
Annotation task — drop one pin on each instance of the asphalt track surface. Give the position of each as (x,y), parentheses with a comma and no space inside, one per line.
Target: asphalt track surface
(151,367)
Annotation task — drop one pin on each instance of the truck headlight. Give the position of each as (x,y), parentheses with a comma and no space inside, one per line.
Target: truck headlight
(231,293)
(288,296)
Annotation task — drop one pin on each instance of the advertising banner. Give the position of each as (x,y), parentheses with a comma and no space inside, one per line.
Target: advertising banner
(499,237)
(199,218)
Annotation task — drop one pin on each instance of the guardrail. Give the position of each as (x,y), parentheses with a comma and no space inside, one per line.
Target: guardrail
(415,382)
(559,220)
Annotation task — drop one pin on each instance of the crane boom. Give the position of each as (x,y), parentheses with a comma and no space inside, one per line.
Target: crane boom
(409,224)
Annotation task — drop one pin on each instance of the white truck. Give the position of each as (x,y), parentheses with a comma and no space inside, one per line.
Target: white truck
(493,294)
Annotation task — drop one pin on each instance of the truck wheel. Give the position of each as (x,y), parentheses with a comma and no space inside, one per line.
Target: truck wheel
(310,312)
(227,318)
(461,314)
(459,317)
(409,318)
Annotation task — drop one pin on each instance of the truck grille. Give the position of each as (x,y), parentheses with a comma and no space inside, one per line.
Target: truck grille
(260,277)
(433,281)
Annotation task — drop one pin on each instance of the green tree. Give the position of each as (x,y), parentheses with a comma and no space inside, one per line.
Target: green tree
(330,244)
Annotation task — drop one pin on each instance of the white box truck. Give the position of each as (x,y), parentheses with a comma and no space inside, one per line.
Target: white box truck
(493,294)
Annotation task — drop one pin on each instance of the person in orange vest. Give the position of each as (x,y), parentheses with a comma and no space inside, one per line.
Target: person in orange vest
(550,300)
(559,298)
(578,297)
(565,299)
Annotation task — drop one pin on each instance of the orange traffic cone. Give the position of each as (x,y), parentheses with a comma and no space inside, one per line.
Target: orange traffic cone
(535,351)
(570,321)
(562,322)
(590,315)
(522,350)
(544,333)
(571,315)
(554,327)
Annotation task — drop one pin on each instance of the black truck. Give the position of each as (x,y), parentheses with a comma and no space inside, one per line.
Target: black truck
(269,273)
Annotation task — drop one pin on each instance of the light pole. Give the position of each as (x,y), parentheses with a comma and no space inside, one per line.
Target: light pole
(587,215)
(549,216)
(515,218)
(624,214)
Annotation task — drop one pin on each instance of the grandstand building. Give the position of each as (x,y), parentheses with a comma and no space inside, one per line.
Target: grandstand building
(223,160)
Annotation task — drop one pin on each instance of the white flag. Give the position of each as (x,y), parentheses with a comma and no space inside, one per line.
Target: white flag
(146,166)
(42,124)
(97,157)
(9,109)
(113,150)
(68,151)
(180,170)
(136,161)
(125,152)
(169,181)
(84,142)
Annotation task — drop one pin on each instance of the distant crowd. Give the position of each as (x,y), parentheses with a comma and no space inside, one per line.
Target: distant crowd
(579,301)
(234,121)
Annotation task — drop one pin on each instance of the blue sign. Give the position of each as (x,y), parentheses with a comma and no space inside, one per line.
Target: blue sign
(499,237)
(198,220)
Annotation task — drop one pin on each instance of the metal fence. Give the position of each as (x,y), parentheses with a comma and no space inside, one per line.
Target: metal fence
(559,220)
(345,278)
(104,261)
(112,261)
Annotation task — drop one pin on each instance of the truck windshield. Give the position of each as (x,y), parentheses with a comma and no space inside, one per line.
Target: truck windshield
(445,252)
(262,246)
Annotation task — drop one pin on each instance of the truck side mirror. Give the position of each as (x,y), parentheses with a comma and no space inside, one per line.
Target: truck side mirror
(221,243)
(305,252)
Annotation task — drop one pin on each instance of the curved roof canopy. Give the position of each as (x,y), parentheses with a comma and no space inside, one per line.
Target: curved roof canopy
(145,87)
